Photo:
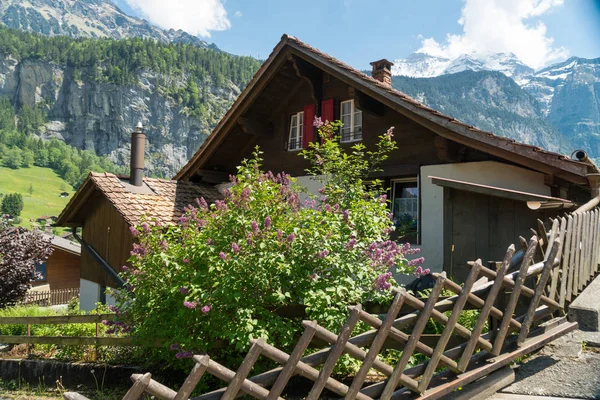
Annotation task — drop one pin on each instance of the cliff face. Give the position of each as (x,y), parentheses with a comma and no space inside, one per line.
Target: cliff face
(91,114)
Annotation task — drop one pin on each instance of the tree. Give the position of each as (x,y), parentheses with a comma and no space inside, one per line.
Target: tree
(12,204)
(20,252)
(27,158)
(13,158)
(30,190)
(220,274)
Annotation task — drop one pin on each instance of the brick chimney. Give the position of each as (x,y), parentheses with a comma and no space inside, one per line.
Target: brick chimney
(382,71)
(136,168)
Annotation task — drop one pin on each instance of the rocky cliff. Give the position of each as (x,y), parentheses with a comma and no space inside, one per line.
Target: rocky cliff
(99,116)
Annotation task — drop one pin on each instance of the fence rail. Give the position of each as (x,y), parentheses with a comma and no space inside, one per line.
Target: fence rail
(50,297)
(63,340)
(559,260)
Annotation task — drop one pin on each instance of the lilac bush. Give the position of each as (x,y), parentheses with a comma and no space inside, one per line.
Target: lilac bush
(219,277)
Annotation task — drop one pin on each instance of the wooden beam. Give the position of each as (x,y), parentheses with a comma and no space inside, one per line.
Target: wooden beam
(449,151)
(311,74)
(254,127)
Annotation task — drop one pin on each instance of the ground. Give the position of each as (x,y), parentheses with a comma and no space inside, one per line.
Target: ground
(47,186)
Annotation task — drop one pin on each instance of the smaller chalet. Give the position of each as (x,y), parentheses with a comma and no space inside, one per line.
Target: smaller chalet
(61,269)
(106,206)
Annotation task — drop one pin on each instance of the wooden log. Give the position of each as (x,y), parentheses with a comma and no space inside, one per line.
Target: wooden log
(549,265)
(578,254)
(336,352)
(242,373)
(555,272)
(138,387)
(290,366)
(572,265)
(156,389)
(485,310)
(514,297)
(565,270)
(543,236)
(583,273)
(377,344)
(398,374)
(496,363)
(596,243)
(305,370)
(58,319)
(227,375)
(193,378)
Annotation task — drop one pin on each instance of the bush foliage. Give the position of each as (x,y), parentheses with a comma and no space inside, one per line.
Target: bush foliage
(219,277)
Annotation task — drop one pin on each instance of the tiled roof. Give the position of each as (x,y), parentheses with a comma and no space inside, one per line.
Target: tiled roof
(160,199)
(469,132)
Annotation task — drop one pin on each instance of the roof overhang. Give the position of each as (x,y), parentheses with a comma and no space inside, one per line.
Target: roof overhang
(534,201)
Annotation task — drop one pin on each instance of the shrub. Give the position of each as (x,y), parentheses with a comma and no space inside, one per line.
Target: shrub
(219,277)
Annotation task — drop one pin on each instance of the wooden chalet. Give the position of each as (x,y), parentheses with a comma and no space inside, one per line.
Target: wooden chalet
(61,269)
(462,193)
(106,206)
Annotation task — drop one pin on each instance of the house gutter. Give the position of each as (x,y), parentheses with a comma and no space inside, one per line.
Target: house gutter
(106,266)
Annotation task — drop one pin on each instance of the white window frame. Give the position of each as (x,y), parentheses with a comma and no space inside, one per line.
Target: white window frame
(353,134)
(413,179)
(299,132)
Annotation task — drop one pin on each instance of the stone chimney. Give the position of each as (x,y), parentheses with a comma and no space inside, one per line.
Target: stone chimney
(382,71)
(138,142)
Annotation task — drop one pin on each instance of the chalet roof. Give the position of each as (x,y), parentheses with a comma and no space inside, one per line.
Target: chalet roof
(63,244)
(160,199)
(523,154)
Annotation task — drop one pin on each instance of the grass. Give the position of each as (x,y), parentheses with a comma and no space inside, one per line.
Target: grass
(45,198)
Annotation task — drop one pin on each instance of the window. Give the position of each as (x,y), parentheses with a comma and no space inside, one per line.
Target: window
(405,209)
(296,128)
(351,118)
(40,272)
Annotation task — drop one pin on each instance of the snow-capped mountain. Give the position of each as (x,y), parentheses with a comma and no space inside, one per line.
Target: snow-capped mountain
(421,65)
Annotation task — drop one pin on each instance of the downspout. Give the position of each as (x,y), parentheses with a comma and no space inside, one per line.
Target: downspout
(593,178)
(106,266)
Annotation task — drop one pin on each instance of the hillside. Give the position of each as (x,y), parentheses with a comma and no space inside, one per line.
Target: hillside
(93,92)
(488,100)
(47,186)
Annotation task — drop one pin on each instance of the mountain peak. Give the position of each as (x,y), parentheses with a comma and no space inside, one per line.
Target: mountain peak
(87,19)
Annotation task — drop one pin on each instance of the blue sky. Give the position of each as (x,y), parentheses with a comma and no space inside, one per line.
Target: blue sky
(359,31)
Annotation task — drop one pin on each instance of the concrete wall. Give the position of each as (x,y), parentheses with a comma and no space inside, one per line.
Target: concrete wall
(89,294)
(490,173)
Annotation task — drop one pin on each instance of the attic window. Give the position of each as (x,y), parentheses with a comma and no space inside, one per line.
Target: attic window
(296,128)
(351,118)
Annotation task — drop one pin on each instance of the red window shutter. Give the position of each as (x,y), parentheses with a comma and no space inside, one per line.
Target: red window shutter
(308,134)
(327,110)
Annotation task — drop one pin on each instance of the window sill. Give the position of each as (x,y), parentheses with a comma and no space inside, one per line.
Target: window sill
(294,150)
(350,141)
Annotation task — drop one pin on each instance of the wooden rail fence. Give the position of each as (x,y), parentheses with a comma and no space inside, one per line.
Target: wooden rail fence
(50,297)
(555,268)
(63,340)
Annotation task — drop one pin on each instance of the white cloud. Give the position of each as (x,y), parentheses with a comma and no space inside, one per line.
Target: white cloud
(238,14)
(197,17)
(502,26)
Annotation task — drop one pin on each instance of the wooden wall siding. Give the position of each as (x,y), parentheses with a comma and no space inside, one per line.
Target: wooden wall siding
(108,233)
(479,226)
(287,94)
(63,270)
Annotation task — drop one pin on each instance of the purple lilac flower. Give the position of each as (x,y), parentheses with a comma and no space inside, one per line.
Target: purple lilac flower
(416,261)
(323,253)
(420,271)
(145,227)
(345,215)
(174,346)
(267,222)
(138,250)
(279,234)
(351,243)
(183,220)
(390,133)
(220,205)
(382,281)
(202,203)
(183,290)
(209,242)
(190,304)
(314,276)
(291,237)
(223,256)
(255,227)
(133,231)
(318,122)
(179,355)
(125,268)
(235,248)
(104,322)
(206,308)
(185,260)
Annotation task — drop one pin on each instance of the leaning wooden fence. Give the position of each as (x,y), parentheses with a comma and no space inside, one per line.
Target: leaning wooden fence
(50,297)
(554,270)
